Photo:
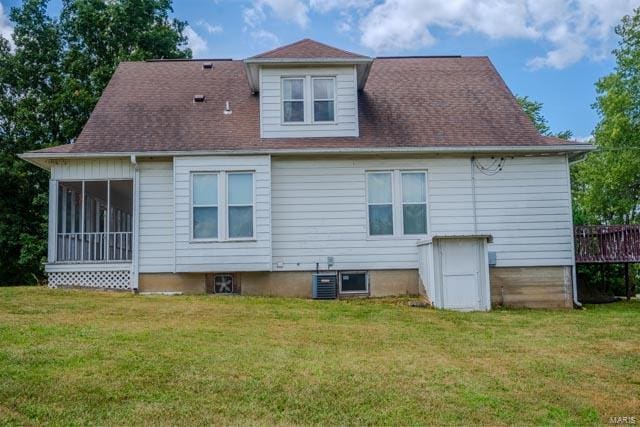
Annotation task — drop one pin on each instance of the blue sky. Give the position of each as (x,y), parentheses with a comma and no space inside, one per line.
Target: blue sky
(551,50)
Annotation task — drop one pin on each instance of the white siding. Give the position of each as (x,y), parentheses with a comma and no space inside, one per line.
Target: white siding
(92,169)
(156,217)
(271,106)
(222,256)
(319,210)
(526,207)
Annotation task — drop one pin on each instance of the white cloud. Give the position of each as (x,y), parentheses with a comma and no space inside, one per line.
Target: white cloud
(589,138)
(195,42)
(286,10)
(6,30)
(329,5)
(211,29)
(265,38)
(573,28)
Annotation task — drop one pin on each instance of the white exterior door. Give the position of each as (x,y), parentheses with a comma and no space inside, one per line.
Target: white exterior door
(461,278)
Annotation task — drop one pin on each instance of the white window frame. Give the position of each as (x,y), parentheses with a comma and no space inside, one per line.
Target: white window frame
(393,197)
(253,205)
(303,100)
(313,100)
(366,281)
(308,98)
(192,206)
(403,203)
(397,204)
(223,206)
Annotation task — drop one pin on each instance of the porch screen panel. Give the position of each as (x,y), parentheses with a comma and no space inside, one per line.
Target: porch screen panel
(95,220)
(69,220)
(120,219)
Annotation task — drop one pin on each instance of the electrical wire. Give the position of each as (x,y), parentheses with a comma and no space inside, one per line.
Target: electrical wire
(492,169)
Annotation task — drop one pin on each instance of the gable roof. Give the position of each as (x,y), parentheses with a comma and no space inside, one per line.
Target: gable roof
(408,103)
(307,48)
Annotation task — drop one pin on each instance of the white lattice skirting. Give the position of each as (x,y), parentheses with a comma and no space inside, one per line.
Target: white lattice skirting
(120,279)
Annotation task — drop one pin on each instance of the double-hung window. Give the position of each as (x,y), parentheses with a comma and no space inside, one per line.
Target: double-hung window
(396,203)
(414,202)
(323,99)
(293,100)
(205,206)
(222,205)
(380,203)
(240,204)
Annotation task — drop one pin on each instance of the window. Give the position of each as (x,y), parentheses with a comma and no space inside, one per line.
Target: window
(414,203)
(293,100)
(205,206)
(323,99)
(380,203)
(354,282)
(397,203)
(240,205)
(222,205)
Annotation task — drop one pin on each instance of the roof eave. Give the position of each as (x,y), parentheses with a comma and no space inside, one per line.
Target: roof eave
(252,66)
(41,159)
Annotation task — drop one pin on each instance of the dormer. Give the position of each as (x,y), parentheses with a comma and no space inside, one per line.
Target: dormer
(308,89)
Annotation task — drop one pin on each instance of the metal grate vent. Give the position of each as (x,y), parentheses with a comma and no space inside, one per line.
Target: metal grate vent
(324,286)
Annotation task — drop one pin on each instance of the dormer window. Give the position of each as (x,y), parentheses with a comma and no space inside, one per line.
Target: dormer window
(323,99)
(293,100)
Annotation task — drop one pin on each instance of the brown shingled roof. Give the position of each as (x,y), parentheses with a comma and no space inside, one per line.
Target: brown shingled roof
(407,102)
(307,48)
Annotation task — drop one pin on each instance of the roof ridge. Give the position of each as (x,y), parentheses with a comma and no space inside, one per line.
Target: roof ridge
(420,57)
(278,49)
(306,40)
(184,59)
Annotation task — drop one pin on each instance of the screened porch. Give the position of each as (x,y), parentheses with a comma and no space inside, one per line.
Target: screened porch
(94,221)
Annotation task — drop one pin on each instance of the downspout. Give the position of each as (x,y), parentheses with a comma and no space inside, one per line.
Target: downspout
(136,225)
(574,277)
(473,195)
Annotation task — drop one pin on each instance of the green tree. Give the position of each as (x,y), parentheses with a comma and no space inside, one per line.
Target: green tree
(607,184)
(533,109)
(49,83)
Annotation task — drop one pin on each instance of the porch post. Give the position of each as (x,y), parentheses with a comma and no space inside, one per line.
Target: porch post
(53,221)
(626,280)
(136,225)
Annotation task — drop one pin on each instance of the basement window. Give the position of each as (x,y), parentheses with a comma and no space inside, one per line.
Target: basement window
(354,282)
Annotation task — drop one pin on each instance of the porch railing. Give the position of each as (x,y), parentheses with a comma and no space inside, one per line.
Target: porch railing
(607,243)
(94,247)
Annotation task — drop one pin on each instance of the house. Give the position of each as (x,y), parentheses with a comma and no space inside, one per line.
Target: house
(396,175)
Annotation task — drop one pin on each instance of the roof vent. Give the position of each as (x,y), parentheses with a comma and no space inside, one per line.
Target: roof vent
(227,108)
(207,66)
(198,98)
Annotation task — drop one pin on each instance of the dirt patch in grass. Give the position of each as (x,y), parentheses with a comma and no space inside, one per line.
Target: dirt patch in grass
(75,357)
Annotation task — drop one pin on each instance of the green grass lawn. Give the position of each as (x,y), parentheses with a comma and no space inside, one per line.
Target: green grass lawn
(84,357)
